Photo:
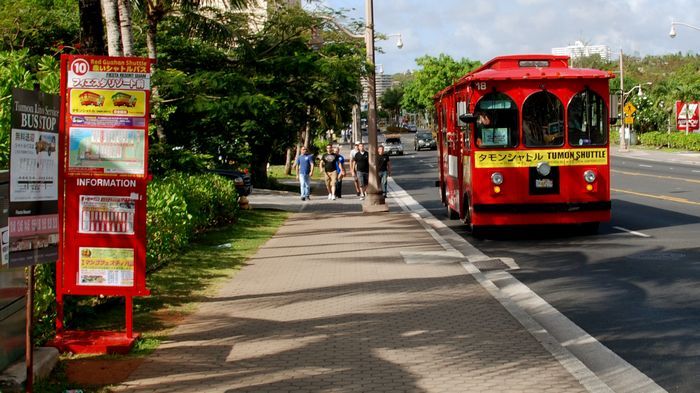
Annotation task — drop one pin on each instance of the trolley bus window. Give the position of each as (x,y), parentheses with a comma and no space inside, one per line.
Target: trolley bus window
(543,120)
(497,121)
(587,125)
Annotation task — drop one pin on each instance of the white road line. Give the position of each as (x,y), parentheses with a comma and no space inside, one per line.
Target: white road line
(594,365)
(635,233)
(694,171)
(646,166)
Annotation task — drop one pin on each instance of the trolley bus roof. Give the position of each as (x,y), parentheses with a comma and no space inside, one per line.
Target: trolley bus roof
(523,67)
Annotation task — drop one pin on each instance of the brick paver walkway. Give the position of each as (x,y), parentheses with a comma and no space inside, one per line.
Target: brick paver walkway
(328,305)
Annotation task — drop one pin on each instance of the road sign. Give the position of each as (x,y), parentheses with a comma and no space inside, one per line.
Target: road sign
(629,109)
(629,119)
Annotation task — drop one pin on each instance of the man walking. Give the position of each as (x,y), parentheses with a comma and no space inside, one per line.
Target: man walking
(361,169)
(328,165)
(340,168)
(383,168)
(305,170)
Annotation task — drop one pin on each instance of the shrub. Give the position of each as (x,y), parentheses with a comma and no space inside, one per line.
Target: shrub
(676,140)
(180,206)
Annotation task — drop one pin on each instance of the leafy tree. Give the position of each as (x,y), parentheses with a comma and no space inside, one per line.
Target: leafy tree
(435,74)
(391,101)
(243,104)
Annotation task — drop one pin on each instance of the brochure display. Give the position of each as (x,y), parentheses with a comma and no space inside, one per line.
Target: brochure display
(105,172)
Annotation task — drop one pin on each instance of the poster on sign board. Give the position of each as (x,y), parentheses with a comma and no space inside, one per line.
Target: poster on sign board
(98,266)
(106,150)
(107,214)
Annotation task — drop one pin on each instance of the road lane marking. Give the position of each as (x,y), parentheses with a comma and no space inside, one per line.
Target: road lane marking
(635,233)
(694,171)
(645,166)
(593,364)
(661,197)
(656,176)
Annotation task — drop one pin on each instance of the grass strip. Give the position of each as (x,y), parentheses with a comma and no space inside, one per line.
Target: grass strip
(176,290)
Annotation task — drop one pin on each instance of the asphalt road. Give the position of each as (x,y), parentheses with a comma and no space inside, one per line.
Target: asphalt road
(635,286)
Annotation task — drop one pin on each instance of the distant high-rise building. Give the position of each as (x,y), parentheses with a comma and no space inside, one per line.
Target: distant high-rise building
(382,82)
(579,49)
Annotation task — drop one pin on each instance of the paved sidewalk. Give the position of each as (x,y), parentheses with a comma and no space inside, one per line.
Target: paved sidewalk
(330,305)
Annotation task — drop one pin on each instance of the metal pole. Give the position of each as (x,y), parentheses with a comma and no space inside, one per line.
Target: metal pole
(623,139)
(29,343)
(375,200)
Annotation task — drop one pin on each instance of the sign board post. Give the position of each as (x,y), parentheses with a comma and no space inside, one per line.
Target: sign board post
(103,244)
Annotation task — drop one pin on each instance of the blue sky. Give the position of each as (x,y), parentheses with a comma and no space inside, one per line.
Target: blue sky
(484,29)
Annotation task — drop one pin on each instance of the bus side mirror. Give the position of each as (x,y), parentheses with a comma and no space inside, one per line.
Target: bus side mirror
(613,121)
(468,118)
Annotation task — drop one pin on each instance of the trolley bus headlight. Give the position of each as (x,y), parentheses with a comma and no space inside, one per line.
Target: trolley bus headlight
(497,178)
(589,176)
(543,168)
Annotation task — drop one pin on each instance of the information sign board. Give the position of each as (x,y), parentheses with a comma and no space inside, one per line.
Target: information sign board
(34,183)
(105,130)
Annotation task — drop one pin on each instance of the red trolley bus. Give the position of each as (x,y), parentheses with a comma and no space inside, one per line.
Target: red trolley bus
(524,140)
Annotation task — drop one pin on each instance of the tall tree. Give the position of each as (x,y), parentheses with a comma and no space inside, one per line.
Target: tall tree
(91,27)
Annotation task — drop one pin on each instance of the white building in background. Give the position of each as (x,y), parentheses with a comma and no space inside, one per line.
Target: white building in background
(259,9)
(579,49)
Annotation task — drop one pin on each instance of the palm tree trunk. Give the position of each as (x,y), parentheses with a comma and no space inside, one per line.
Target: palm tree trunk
(288,162)
(91,28)
(109,8)
(125,25)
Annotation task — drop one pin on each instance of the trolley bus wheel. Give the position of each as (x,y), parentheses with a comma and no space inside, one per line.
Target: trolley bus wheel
(451,214)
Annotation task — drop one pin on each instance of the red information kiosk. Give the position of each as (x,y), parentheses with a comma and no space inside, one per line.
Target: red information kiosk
(104,134)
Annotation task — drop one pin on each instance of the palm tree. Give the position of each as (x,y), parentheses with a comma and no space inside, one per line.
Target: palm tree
(197,12)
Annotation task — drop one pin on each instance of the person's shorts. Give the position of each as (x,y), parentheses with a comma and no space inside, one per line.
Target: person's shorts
(363,178)
(331,178)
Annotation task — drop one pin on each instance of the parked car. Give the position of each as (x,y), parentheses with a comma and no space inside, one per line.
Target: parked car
(393,145)
(412,128)
(241,180)
(424,140)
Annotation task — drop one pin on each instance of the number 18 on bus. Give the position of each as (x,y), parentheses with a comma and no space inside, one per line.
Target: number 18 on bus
(524,140)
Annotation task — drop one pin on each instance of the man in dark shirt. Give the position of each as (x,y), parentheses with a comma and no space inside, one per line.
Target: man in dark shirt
(361,168)
(383,168)
(328,165)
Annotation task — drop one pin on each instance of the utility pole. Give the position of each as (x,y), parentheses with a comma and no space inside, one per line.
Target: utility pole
(623,139)
(375,200)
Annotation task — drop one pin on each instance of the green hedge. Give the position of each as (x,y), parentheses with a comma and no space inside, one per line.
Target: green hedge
(180,206)
(675,140)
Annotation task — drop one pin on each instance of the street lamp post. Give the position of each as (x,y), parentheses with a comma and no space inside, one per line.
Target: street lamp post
(374,200)
(625,96)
